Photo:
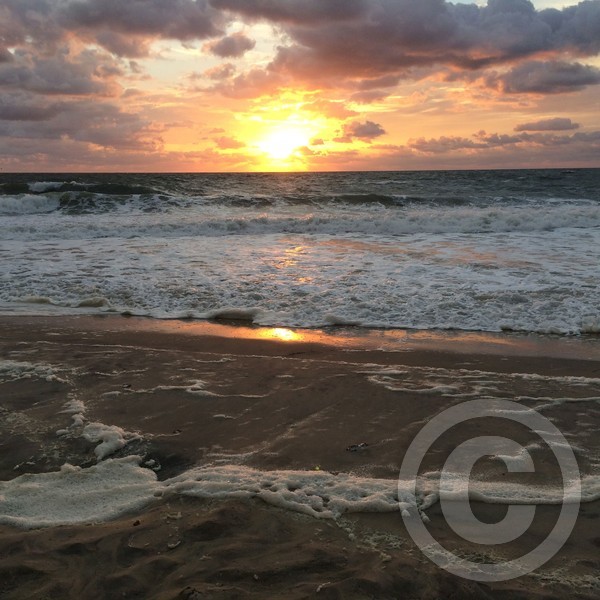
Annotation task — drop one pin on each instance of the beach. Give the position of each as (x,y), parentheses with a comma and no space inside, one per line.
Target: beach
(213,442)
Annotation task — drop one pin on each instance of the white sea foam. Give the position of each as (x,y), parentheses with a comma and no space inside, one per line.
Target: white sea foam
(316,493)
(540,282)
(109,438)
(118,486)
(11,370)
(45,186)
(590,324)
(76,408)
(467,383)
(196,387)
(74,495)
(73,406)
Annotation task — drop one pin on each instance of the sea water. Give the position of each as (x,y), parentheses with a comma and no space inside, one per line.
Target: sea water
(478,250)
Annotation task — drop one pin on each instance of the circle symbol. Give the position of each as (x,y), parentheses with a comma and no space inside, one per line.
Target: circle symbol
(455,503)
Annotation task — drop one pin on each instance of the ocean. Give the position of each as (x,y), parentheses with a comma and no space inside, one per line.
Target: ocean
(468,251)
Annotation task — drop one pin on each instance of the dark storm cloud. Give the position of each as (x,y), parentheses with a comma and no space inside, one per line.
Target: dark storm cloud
(549,77)
(88,73)
(355,39)
(374,38)
(5,55)
(22,20)
(122,27)
(578,27)
(231,46)
(176,19)
(19,107)
(91,122)
(123,45)
(296,11)
(556,124)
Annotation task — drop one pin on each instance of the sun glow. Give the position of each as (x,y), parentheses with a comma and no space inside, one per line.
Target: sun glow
(282,142)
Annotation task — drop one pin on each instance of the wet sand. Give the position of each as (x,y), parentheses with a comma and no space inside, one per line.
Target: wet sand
(270,399)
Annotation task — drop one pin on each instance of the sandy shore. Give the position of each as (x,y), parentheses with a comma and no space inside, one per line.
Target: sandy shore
(273,399)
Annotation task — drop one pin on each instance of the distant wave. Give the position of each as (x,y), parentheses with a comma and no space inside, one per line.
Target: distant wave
(27,204)
(318,193)
(216,221)
(105,188)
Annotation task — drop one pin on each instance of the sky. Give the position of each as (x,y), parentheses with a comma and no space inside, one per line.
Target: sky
(297,85)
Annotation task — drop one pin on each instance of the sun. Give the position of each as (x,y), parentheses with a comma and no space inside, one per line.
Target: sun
(282,142)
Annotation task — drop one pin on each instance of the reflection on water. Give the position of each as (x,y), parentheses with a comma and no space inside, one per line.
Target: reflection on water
(390,340)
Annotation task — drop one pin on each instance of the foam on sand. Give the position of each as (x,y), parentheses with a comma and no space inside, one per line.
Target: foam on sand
(75,495)
(110,437)
(11,370)
(116,487)
(316,493)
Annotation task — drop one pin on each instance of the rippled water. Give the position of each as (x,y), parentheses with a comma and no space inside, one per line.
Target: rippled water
(486,250)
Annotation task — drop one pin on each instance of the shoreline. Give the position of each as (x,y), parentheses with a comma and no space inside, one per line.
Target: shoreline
(339,337)
(272,400)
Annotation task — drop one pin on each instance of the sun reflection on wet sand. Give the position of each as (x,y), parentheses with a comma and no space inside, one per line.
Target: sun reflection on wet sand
(280,333)
(356,338)
(346,337)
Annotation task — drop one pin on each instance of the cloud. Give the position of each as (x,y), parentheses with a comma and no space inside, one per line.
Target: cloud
(64,66)
(369,96)
(329,108)
(5,55)
(19,107)
(125,28)
(251,84)
(549,77)
(231,46)
(176,19)
(442,144)
(305,12)
(370,44)
(556,124)
(335,42)
(30,20)
(229,143)
(89,122)
(366,131)
(483,141)
(88,72)
(123,45)
(354,37)
(217,73)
